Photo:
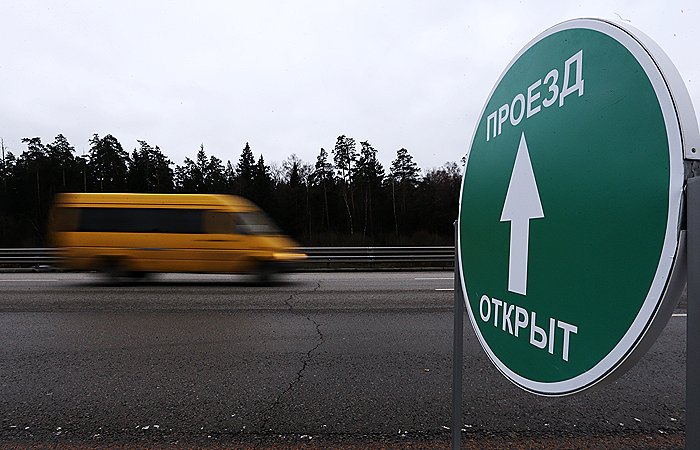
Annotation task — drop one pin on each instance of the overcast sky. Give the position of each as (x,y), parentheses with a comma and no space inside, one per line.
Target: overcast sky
(286,76)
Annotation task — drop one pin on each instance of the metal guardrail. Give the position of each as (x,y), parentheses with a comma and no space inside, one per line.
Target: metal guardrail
(27,256)
(335,255)
(316,255)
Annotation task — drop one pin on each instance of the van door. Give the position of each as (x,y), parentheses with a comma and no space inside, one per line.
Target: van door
(225,249)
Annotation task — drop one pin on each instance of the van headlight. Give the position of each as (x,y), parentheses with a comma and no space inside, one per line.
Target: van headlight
(288,256)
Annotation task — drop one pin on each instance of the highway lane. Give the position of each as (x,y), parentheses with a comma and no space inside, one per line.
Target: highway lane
(322,359)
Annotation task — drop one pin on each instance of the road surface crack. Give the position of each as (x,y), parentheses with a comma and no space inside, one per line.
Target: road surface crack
(266,413)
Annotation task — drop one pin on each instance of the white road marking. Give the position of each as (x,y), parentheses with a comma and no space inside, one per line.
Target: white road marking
(680,315)
(434,278)
(446,289)
(29,280)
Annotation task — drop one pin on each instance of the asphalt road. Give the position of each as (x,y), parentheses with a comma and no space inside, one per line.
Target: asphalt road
(323,360)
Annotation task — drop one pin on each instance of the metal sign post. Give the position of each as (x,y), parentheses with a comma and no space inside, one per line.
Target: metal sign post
(692,388)
(457,347)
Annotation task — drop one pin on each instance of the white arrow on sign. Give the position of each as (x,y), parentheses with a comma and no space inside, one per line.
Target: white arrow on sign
(522,204)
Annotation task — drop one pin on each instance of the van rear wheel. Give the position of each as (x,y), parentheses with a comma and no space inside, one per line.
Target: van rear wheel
(113,268)
(136,275)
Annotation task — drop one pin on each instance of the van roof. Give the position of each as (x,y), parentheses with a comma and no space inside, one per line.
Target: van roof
(156,200)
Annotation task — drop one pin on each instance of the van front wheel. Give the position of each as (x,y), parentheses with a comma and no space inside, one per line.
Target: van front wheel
(267,272)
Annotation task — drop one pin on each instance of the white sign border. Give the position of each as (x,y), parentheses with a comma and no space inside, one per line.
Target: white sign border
(633,41)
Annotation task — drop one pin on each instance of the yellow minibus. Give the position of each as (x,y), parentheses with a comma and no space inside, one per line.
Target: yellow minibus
(136,234)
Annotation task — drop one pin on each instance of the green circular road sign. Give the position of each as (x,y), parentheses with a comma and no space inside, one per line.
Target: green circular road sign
(570,235)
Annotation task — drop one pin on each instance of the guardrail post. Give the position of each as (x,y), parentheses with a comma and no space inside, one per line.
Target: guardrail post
(457,350)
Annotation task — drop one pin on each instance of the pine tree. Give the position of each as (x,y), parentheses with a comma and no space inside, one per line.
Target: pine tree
(291,170)
(203,175)
(404,170)
(294,196)
(34,163)
(440,188)
(369,174)
(108,163)
(323,178)
(5,167)
(187,180)
(230,177)
(262,184)
(214,176)
(200,169)
(404,176)
(345,156)
(35,149)
(164,176)
(149,170)
(62,161)
(246,171)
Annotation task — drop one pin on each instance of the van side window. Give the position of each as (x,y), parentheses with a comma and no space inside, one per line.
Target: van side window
(141,220)
(219,222)
(64,219)
(255,222)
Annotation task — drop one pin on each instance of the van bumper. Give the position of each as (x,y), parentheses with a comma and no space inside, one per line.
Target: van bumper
(287,261)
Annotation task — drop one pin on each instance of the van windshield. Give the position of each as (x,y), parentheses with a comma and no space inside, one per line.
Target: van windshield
(256,223)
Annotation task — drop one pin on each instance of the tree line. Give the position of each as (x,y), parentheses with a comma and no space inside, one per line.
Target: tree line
(345,197)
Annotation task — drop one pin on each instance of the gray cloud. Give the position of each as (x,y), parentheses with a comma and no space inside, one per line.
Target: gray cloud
(288,77)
